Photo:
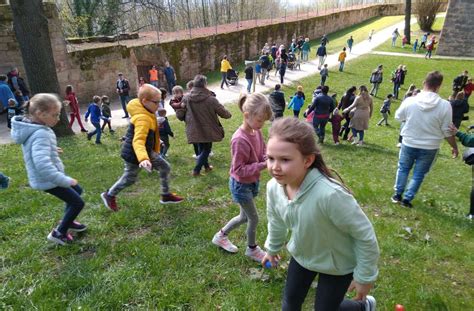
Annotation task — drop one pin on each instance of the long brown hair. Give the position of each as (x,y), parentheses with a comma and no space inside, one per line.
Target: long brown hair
(300,133)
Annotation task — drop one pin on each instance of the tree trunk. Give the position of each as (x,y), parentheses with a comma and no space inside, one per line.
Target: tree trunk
(408,20)
(31,30)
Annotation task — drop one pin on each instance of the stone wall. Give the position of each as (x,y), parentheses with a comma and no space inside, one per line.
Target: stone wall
(457,37)
(94,71)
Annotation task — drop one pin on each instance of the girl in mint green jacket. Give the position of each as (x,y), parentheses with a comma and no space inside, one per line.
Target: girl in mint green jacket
(330,235)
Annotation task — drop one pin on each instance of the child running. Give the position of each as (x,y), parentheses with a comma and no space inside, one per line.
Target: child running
(297,101)
(141,148)
(94,112)
(385,110)
(44,167)
(330,234)
(106,113)
(74,107)
(248,159)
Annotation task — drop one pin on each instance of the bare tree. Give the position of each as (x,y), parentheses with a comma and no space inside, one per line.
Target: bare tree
(32,32)
(426,11)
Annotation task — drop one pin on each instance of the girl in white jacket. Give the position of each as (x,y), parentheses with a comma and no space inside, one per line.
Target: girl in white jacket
(45,168)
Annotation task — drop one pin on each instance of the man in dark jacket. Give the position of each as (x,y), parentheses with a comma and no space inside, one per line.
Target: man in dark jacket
(323,105)
(123,89)
(265,63)
(277,101)
(321,53)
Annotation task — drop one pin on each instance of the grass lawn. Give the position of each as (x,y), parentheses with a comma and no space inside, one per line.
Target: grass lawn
(337,40)
(151,256)
(416,34)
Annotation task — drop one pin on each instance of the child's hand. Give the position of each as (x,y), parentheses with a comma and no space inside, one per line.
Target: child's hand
(452,129)
(146,165)
(74,182)
(272,259)
(60,150)
(362,290)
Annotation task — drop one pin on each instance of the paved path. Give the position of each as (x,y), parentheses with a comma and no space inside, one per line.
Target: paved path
(420,55)
(231,94)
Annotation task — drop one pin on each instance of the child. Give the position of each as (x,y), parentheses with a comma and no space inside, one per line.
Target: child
(341,59)
(163,97)
(404,41)
(248,159)
(324,74)
(94,111)
(12,111)
(106,113)
(165,131)
(178,93)
(415,46)
(330,234)
(385,110)
(4,181)
(371,34)
(258,73)
(44,167)
(297,102)
(336,121)
(74,108)
(141,148)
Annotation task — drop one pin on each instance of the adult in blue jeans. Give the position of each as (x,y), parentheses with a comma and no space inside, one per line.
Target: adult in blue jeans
(427,118)
(201,114)
(323,105)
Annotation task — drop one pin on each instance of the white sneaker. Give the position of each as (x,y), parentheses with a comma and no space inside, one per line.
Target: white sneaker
(194,156)
(360,143)
(255,253)
(399,145)
(355,140)
(223,242)
(370,303)
(211,154)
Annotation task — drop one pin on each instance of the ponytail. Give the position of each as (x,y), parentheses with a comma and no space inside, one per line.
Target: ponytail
(241,102)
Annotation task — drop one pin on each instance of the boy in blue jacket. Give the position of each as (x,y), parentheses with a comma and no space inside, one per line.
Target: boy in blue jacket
(95,113)
(296,103)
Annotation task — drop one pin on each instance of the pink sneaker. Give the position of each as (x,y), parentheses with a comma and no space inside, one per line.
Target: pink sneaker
(255,253)
(223,242)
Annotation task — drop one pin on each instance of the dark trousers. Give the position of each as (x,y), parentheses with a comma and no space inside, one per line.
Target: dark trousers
(320,127)
(202,158)
(74,204)
(124,101)
(296,113)
(108,123)
(224,79)
(329,293)
(345,128)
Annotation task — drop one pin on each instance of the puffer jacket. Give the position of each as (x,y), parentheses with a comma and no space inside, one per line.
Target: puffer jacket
(142,135)
(201,114)
(43,165)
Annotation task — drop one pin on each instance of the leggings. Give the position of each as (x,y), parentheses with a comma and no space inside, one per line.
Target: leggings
(248,214)
(329,293)
(74,204)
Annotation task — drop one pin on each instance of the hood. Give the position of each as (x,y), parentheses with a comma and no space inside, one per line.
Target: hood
(427,100)
(135,107)
(199,94)
(161,120)
(22,130)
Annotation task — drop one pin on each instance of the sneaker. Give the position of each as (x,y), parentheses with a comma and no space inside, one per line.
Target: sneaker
(112,131)
(89,136)
(360,143)
(84,130)
(77,227)
(125,117)
(470,216)
(255,253)
(396,198)
(211,154)
(194,156)
(170,198)
(109,201)
(355,140)
(196,174)
(57,237)
(223,242)
(336,143)
(399,145)
(209,168)
(370,303)
(407,203)
(98,143)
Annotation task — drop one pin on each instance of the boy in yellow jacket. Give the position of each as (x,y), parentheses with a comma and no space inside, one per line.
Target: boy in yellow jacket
(341,59)
(141,148)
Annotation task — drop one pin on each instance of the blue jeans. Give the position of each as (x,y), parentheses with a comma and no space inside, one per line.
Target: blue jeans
(224,79)
(361,134)
(249,85)
(421,159)
(320,127)
(171,85)
(97,131)
(242,193)
(124,100)
(341,66)
(202,158)
(4,180)
(74,204)
(305,55)
(396,89)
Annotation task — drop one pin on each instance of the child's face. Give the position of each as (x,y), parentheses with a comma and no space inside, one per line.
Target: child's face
(153,103)
(286,163)
(255,122)
(178,94)
(50,117)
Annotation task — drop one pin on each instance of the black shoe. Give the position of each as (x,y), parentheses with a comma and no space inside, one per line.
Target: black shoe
(112,131)
(98,143)
(57,237)
(89,136)
(406,203)
(77,227)
(396,198)
(84,130)
(125,117)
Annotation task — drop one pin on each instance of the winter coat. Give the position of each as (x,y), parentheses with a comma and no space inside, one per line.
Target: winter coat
(40,151)
(5,94)
(362,108)
(201,115)
(277,101)
(296,103)
(460,107)
(142,137)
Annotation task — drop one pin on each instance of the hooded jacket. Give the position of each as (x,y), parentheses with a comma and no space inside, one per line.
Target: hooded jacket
(43,165)
(142,136)
(201,113)
(427,117)
(329,231)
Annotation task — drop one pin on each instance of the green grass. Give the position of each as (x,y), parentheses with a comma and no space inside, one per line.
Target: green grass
(416,34)
(151,256)
(337,40)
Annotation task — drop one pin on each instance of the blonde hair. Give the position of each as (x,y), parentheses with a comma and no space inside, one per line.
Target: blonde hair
(256,104)
(301,133)
(299,88)
(96,99)
(176,89)
(42,102)
(148,91)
